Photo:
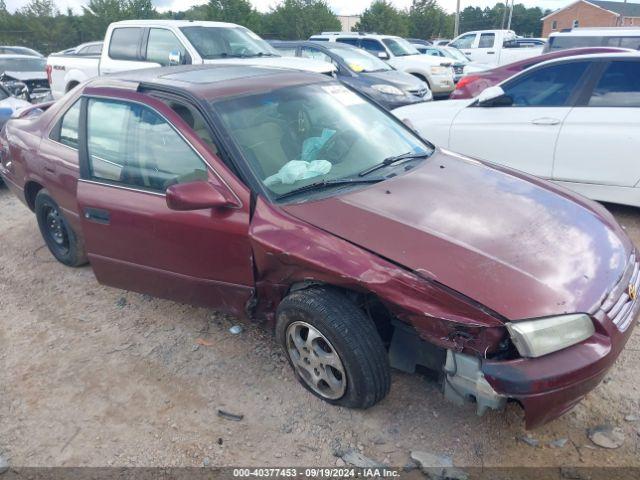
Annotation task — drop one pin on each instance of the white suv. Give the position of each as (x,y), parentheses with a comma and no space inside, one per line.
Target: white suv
(401,55)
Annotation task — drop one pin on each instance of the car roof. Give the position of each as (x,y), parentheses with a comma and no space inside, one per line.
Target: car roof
(599,31)
(211,82)
(18,55)
(353,35)
(172,23)
(311,43)
(631,55)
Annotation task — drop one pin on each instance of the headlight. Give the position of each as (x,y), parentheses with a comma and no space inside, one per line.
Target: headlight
(534,338)
(439,70)
(388,89)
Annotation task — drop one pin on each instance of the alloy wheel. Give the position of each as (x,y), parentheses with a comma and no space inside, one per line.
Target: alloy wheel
(316,360)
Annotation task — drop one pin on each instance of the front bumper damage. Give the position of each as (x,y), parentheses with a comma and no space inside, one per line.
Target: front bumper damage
(546,387)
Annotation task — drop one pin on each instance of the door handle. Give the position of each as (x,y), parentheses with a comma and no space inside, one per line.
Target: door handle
(97,215)
(467,53)
(545,121)
(50,170)
(491,53)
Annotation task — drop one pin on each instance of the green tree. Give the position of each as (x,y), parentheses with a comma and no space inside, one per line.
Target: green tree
(234,11)
(428,20)
(299,19)
(139,9)
(383,17)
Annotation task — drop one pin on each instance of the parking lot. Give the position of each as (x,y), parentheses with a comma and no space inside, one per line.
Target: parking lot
(93,376)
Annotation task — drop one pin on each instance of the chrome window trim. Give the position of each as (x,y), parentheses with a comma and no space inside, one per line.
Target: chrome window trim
(122,187)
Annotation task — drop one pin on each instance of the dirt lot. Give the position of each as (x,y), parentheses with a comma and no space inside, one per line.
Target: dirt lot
(93,376)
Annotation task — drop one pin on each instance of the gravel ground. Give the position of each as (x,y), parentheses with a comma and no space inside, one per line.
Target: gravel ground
(94,376)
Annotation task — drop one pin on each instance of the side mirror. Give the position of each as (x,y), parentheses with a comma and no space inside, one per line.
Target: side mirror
(175,58)
(383,55)
(494,97)
(197,195)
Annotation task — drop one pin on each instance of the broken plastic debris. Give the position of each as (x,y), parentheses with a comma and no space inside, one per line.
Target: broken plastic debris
(236,329)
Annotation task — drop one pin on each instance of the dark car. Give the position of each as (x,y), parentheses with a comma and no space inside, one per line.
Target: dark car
(471,85)
(362,71)
(25,77)
(286,197)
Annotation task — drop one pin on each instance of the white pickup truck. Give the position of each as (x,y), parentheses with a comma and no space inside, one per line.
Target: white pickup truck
(491,48)
(136,44)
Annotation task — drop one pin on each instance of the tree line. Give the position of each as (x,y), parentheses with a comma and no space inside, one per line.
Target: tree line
(42,26)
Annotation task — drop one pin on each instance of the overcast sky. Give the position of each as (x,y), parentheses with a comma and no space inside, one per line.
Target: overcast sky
(341,7)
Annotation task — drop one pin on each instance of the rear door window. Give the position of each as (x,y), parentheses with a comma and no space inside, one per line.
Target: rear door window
(348,41)
(550,86)
(69,126)
(125,43)
(487,40)
(619,86)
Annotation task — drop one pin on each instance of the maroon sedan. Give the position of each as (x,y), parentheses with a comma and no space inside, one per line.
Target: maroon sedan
(286,197)
(472,84)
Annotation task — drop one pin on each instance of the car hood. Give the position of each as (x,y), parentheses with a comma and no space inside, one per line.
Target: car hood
(22,76)
(402,80)
(518,245)
(307,64)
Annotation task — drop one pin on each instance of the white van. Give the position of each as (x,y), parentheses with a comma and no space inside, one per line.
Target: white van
(625,37)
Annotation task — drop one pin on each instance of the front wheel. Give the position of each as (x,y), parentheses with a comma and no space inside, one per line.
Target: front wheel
(333,348)
(56,232)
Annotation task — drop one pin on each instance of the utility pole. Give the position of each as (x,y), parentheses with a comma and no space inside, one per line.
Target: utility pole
(504,14)
(510,15)
(456,28)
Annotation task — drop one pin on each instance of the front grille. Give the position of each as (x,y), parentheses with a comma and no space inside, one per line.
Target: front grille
(618,305)
(35,84)
(420,93)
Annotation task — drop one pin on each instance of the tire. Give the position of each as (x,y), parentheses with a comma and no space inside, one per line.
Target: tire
(345,332)
(60,238)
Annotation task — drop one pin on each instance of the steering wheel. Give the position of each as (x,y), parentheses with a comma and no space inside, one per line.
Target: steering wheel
(337,146)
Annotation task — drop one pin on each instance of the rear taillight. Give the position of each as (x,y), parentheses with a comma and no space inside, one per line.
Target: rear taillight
(464,81)
(48,70)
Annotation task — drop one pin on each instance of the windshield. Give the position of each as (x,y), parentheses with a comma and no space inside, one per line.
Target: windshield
(224,42)
(455,54)
(22,64)
(361,61)
(296,136)
(400,47)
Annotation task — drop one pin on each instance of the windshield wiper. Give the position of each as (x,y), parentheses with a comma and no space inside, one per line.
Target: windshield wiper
(391,160)
(327,183)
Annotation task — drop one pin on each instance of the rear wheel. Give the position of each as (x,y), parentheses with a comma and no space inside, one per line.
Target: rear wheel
(333,348)
(56,232)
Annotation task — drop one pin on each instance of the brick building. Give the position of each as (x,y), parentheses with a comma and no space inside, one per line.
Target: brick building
(592,13)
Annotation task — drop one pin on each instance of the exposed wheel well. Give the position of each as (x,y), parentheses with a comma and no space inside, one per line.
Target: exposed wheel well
(369,303)
(31,189)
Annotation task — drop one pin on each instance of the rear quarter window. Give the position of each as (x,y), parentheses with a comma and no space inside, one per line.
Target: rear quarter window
(125,43)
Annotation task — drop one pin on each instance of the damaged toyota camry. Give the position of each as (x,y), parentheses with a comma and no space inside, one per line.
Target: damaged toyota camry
(286,197)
